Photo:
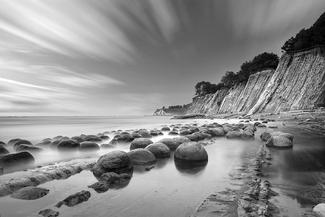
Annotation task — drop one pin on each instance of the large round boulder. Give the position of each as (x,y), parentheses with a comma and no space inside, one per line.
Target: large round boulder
(191,152)
(17,160)
(184,132)
(165,128)
(279,142)
(68,145)
(87,146)
(115,161)
(11,142)
(173,132)
(78,138)
(21,142)
(170,143)
(141,157)
(140,143)
(181,139)
(3,150)
(218,131)
(319,210)
(29,148)
(159,150)
(92,138)
(125,138)
(234,134)
(144,133)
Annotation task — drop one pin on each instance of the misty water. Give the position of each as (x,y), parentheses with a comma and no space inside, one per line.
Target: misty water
(169,189)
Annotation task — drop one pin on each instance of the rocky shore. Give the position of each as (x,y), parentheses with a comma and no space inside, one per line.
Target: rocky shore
(252,198)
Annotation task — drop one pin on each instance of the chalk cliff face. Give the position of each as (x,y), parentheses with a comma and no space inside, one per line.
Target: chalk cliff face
(298,83)
(239,99)
(208,104)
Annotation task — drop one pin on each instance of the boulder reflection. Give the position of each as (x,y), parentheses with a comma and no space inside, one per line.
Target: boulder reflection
(190,168)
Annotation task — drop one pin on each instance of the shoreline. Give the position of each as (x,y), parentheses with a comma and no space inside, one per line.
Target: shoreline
(254,190)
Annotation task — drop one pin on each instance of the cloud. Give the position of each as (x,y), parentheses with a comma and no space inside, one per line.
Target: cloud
(72,28)
(259,18)
(18,96)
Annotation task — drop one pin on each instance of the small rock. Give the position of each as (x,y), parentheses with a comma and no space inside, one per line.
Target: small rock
(48,213)
(75,199)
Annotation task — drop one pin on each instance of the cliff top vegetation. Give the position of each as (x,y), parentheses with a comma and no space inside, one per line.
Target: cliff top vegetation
(259,63)
(307,38)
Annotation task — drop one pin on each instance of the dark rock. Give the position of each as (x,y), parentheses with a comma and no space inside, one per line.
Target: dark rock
(191,152)
(159,150)
(92,138)
(115,161)
(234,135)
(3,143)
(3,150)
(21,142)
(107,145)
(173,132)
(279,141)
(48,213)
(170,143)
(75,199)
(144,133)
(180,140)
(248,134)
(184,132)
(125,138)
(165,129)
(136,135)
(141,157)
(17,159)
(154,133)
(30,193)
(29,148)
(100,187)
(67,145)
(148,168)
(261,125)
(140,143)
(13,141)
(78,139)
(84,146)
(112,177)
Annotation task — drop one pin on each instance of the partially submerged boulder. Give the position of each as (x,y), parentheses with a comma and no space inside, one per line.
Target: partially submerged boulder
(29,148)
(20,159)
(92,138)
(48,213)
(141,157)
(30,193)
(3,150)
(279,141)
(170,143)
(86,146)
(234,134)
(191,152)
(115,161)
(21,142)
(140,143)
(68,145)
(181,139)
(74,199)
(144,133)
(159,150)
(319,210)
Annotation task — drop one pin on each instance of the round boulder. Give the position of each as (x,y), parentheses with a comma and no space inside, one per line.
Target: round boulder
(170,143)
(144,133)
(29,148)
(67,145)
(125,138)
(3,150)
(279,142)
(16,159)
(165,129)
(160,150)
(140,143)
(184,132)
(319,210)
(141,156)
(85,146)
(191,152)
(173,132)
(92,138)
(21,142)
(115,161)
(181,139)
(234,135)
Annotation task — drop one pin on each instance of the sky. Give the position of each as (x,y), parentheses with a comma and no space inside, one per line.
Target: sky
(130,57)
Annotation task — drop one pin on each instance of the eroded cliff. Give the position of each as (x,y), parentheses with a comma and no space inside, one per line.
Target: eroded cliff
(298,83)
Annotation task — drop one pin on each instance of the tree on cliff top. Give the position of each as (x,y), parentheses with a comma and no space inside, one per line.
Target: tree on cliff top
(307,38)
(204,87)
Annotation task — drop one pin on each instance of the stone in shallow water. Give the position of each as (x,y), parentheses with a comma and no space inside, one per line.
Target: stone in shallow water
(75,199)
(48,213)
(99,187)
(191,152)
(30,193)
